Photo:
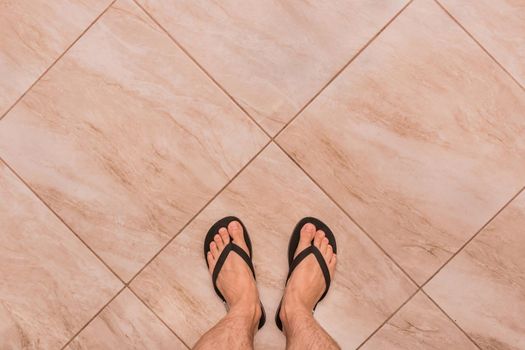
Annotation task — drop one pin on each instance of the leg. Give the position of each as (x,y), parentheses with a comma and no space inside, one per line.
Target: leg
(304,288)
(235,281)
(235,331)
(303,332)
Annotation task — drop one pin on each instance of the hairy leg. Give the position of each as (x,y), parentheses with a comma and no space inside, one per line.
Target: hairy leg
(235,331)
(304,332)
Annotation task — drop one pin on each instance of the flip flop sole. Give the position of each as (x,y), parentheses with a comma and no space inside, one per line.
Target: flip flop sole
(214,229)
(292,248)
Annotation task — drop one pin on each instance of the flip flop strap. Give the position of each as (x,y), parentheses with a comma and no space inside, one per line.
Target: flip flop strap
(222,259)
(320,259)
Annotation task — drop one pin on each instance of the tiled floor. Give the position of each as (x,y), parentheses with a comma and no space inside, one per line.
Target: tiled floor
(128,127)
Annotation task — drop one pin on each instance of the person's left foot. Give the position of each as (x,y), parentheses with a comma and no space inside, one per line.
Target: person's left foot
(235,280)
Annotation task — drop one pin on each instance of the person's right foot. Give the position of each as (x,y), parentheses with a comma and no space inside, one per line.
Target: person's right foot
(306,284)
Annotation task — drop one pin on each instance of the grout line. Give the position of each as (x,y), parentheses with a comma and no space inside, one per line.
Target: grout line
(387,319)
(186,52)
(92,318)
(158,317)
(420,289)
(60,219)
(272,139)
(479,44)
(56,60)
(348,215)
(343,68)
(199,211)
(451,319)
(39,198)
(247,114)
(126,284)
(474,236)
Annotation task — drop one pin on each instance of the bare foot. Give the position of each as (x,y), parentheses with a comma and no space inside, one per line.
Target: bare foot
(235,280)
(306,284)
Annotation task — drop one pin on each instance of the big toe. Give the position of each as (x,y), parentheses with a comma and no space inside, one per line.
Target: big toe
(237,234)
(318,238)
(305,238)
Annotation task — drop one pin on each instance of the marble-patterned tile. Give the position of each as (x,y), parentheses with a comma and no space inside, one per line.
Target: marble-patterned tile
(51,284)
(270,196)
(483,287)
(497,25)
(420,139)
(419,325)
(273,56)
(125,138)
(33,34)
(126,324)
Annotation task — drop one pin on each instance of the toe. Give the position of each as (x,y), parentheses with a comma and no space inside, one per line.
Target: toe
(324,246)
(307,233)
(319,235)
(218,240)
(235,230)
(237,234)
(224,235)
(329,253)
(214,250)
(306,237)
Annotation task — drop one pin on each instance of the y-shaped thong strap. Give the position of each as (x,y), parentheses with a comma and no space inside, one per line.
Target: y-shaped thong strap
(322,263)
(222,258)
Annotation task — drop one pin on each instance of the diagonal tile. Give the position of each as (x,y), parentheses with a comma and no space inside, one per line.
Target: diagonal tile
(272,56)
(420,139)
(499,26)
(126,324)
(126,139)
(419,325)
(33,34)
(483,287)
(51,283)
(270,196)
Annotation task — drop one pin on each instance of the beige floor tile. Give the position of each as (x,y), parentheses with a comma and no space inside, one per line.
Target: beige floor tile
(419,325)
(51,284)
(126,139)
(483,287)
(273,56)
(33,34)
(270,196)
(126,324)
(499,26)
(420,139)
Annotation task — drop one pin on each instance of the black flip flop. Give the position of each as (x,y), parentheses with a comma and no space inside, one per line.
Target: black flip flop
(230,247)
(293,263)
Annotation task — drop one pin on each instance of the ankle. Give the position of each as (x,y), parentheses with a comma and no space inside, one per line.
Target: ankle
(246,311)
(294,318)
(293,309)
